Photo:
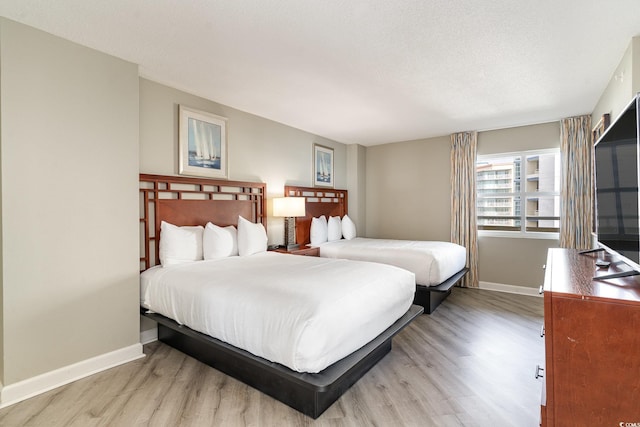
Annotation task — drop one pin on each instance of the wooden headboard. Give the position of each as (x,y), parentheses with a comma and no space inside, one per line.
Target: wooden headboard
(194,201)
(318,201)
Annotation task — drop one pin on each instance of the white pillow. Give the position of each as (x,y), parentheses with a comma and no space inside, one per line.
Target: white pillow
(335,229)
(252,238)
(180,244)
(348,228)
(219,242)
(319,231)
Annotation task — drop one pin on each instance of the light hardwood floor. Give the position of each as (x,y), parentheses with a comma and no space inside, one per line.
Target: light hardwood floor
(470,363)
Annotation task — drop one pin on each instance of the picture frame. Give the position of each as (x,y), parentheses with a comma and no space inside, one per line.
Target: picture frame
(322,166)
(202,144)
(601,126)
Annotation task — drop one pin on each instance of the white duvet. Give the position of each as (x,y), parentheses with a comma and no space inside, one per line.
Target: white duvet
(303,312)
(432,262)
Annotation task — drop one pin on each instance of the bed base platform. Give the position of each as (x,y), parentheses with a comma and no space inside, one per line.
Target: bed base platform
(430,297)
(310,394)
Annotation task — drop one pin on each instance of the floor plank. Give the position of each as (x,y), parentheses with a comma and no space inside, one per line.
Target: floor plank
(470,363)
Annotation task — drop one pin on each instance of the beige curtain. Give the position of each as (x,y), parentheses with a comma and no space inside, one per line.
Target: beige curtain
(576,216)
(463,200)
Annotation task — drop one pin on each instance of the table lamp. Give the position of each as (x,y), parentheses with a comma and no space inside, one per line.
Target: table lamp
(289,208)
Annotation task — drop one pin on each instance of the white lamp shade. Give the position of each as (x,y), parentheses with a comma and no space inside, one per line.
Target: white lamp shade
(288,206)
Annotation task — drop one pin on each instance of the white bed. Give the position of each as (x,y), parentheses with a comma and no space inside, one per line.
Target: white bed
(432,262)
(438,266)
(320,311)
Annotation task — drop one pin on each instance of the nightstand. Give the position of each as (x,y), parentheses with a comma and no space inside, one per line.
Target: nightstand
(301,251)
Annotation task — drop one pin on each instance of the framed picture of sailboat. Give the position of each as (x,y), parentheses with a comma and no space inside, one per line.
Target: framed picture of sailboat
(202,144)
(322,166)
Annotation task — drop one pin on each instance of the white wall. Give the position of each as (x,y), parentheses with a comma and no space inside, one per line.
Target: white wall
(69,173)
(623,85)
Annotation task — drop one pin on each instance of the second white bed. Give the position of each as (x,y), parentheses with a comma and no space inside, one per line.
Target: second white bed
(432,262)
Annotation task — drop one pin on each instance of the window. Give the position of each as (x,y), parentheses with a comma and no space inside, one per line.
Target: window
(519,192)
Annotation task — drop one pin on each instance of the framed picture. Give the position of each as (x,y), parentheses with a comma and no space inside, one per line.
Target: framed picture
(601,126)
(202,144)
(322,166)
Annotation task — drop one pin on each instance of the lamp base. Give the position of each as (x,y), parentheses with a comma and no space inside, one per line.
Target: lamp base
(290,234)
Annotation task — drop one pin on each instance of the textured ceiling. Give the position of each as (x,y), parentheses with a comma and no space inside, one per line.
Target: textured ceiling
(363,71)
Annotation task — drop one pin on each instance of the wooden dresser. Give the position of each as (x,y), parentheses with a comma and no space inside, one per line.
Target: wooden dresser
(592,343)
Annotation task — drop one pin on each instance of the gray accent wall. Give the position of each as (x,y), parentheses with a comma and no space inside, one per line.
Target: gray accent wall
(515,261)
(259,149)
(408,193)
(357,185)
(69,173)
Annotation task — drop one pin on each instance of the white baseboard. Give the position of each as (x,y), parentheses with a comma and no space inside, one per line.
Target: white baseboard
(22,390)
(150,335)
(511,289)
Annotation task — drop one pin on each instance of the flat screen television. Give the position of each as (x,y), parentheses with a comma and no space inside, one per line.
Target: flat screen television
(616,183)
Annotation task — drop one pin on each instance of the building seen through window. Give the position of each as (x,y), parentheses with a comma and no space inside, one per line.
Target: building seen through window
(519,192)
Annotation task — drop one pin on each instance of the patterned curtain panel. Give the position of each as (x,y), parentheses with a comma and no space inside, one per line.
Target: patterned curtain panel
(576,216)
(463,200)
